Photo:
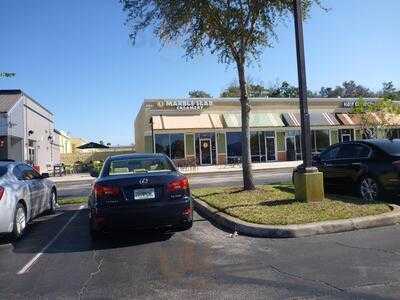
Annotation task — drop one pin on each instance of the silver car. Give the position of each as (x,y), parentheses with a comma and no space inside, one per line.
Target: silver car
(24,194)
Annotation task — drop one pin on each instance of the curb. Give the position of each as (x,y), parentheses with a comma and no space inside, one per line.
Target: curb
(293,231)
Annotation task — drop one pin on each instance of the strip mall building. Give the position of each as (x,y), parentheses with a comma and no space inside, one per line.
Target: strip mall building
(208,131)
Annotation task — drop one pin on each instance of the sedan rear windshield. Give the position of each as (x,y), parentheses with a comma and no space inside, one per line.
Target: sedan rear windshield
(139,165)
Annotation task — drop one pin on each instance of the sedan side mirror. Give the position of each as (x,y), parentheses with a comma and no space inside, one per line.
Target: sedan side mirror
(94,173)
(45,175)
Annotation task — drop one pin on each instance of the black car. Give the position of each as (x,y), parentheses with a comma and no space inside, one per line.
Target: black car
(370,168)
(140,191)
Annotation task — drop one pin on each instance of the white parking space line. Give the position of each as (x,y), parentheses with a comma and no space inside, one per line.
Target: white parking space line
(28,266)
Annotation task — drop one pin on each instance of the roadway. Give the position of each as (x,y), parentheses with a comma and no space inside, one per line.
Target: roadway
(58,260)
(79,188)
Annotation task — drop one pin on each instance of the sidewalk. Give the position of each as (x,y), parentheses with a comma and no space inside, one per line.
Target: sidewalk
(195,170)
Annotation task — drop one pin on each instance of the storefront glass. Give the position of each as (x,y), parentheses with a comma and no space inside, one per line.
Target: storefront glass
(319,140)
(172,145)
(162,143)
(262,146)
(177,142)
(234,146)
(346,135)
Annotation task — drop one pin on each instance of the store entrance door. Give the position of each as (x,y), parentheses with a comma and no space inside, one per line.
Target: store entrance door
(205,152)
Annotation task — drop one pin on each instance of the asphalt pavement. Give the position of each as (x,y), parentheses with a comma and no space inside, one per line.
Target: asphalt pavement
(81,188)
(202,263)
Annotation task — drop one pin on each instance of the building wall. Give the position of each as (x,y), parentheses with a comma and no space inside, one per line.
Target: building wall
(65,144)
(56,148)
(142,128)
(40,121)
(76,142)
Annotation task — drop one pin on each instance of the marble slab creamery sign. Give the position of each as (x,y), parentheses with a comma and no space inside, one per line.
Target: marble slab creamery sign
(182,105)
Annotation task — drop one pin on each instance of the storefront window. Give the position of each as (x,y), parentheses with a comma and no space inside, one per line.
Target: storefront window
(346,135)
(172,145)
(162,143)
(177,143)
(393,133)
(319,140)
(234,146)
(255,147)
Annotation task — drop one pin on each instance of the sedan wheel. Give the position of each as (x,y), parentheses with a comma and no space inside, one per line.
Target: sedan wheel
(53,202)
(19,222)
(369,189)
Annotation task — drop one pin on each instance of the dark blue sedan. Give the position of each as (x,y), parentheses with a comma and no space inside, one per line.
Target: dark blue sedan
(140,191)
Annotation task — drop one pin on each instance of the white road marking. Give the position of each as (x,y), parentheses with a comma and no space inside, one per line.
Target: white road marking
(28,266)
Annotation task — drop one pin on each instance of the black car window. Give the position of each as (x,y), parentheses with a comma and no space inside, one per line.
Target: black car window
(17,171)
(330,153)
(28,173)
(348,151)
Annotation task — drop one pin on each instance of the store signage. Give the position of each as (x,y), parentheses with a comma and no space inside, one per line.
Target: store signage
(182,105)
(353,103)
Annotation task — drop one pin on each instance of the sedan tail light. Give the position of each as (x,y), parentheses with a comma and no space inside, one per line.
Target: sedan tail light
(178,185)
(2,190)
(106,191)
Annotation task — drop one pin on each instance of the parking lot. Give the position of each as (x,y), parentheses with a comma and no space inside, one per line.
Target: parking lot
(57,259)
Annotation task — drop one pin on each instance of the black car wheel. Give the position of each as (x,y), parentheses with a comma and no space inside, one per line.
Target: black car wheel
(19,222)
(53,202)
(369,189)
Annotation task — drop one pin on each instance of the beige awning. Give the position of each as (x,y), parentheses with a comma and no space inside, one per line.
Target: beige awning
(233,120)
(202,121)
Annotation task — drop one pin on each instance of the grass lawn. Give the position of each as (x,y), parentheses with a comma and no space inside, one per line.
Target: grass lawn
(275,205)
(72,200)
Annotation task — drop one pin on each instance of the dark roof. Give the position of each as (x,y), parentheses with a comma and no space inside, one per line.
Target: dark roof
(8,98)
(92,145)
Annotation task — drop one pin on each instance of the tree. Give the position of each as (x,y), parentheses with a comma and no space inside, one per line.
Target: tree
(235,30)
(389,91)
(6,75)
(384,110)
(199,94)
(253,89)
(348,89)
(279,90)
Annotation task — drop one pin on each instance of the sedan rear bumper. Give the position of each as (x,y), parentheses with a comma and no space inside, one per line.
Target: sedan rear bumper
(174,214)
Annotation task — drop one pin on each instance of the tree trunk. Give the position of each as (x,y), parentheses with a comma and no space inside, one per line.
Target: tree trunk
(248,180)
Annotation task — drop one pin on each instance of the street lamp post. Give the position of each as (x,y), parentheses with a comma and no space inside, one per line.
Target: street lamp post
(301,70)
(308,181)
(152,135)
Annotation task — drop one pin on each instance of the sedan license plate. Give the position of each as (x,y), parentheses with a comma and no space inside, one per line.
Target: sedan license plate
(143,194)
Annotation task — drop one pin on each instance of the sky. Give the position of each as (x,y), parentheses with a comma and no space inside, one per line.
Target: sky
(76,59)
